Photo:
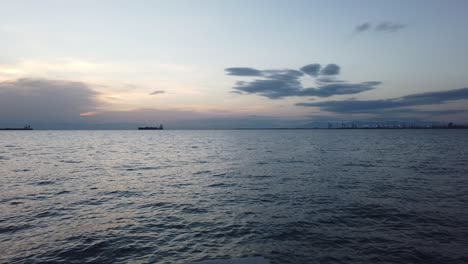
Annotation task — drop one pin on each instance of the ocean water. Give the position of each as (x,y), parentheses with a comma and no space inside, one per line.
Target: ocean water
(295,196)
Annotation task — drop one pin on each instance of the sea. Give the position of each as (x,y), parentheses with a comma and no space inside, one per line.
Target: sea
(289,196)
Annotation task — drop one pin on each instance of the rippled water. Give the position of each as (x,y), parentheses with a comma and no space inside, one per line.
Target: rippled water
(316,196)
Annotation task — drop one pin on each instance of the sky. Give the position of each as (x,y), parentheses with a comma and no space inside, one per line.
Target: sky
(227,64)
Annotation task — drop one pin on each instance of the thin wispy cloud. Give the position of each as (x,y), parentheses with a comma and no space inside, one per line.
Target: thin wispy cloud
(385,26)
(157,92)
(389,27)
(277,84)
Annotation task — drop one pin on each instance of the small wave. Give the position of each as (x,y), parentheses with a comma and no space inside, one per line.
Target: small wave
(233,231)
(81,251)
(289,161)
(182,184)
(260,176)
(165,223)
(365,165)
(194,210)
(202,172)
(144,168)
(269,198)
(154,205)
(91,201)
(8,229)
(21,170)
(62,192)
(245,214)
(122,193)
(221,184)
(47,214)
(71,161)
(46,182)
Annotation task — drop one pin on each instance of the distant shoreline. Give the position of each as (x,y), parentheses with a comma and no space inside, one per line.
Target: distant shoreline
(348,128)
(16,129)
(247,128)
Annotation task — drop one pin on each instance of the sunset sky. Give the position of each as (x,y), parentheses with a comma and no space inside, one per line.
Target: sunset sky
(191,64)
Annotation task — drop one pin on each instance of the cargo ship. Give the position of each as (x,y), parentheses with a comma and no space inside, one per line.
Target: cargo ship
(28,127)
(160,127)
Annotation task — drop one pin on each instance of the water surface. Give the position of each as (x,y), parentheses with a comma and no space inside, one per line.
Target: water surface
(314,196)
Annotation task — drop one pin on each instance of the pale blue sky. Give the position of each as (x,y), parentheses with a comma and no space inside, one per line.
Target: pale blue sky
(126,49)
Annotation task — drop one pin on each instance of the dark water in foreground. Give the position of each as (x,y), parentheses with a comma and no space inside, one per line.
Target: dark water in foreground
(319,196)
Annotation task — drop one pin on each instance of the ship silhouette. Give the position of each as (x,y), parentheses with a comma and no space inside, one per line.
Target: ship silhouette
(27,127)
(160,127)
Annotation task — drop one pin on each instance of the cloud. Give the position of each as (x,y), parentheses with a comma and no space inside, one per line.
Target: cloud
(389,27)
(373,106)
(328,90)
(384,26)
(311,69)
(157,92)
(401,112)
(242,71)
(56,104)
(276,84)
(363,27)
(34,100)
(330,69)
(325,80)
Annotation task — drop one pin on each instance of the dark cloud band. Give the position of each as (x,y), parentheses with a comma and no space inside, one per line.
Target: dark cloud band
(242,71)
(28,100)
(372,106)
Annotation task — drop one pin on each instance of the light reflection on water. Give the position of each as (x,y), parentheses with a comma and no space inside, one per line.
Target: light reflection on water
(317,196)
